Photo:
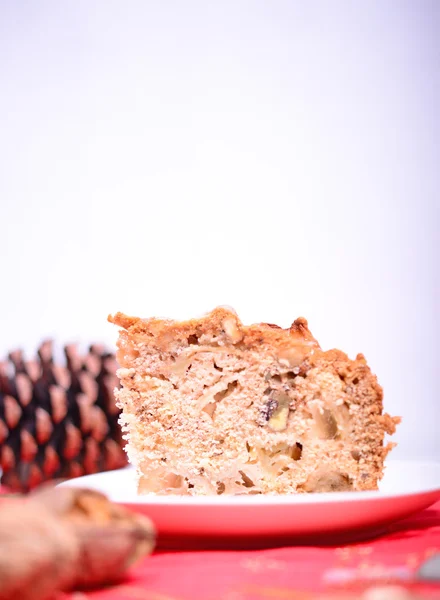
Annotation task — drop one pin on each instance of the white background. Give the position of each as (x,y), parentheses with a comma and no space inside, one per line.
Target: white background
(161,158)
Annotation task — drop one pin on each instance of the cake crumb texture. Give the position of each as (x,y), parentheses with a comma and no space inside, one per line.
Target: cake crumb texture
(211,406)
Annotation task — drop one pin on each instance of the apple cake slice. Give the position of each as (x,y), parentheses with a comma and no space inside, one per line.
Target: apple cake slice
(210,406)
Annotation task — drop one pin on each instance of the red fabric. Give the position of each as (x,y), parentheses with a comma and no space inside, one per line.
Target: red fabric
(285,573)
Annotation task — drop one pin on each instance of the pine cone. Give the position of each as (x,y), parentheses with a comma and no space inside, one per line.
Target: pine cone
(56,421)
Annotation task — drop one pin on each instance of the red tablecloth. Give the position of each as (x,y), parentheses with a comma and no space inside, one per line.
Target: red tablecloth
(286,573)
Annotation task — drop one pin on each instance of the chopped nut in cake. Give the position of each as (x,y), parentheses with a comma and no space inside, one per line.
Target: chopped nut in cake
(210,406)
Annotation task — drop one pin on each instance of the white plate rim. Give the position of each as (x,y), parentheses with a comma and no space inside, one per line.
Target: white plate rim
(257,499)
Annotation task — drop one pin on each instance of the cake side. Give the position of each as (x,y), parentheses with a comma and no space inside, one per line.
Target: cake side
(213,406)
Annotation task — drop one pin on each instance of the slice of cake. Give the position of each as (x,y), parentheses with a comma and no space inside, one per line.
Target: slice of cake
(211,406)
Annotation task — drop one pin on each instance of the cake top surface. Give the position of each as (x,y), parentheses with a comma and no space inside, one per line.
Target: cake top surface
(223,320)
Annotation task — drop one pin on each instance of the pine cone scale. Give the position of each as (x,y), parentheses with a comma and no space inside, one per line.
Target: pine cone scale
(58,421)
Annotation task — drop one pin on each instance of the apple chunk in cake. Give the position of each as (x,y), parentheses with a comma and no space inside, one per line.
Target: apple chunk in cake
(210,406)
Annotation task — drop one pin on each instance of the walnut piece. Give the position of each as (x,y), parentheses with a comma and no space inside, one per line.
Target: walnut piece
(277,410)
(291,356)
(231,330)
(185,358)
(61,539)
(325,426)
(327,481)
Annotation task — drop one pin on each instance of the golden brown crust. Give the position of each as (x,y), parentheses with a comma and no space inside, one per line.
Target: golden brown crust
(122,320)
(261,333)
(299,327)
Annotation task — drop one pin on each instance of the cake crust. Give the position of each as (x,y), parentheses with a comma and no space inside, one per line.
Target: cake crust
(212,406)
(219,319)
